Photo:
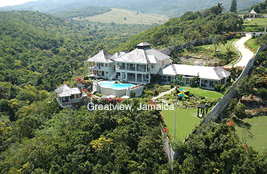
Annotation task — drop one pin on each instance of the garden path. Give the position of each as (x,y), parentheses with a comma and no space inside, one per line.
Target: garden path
(163,93)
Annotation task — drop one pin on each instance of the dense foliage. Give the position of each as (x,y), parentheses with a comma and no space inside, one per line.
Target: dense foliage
(260,8)
(188,27)
(80,12)
(83,142)
(217,149)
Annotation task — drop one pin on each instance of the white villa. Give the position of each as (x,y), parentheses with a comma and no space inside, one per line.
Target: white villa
(136,66)
(139,65)
(68,97)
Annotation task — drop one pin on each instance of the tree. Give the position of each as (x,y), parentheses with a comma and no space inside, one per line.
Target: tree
(217,40)
(233,6)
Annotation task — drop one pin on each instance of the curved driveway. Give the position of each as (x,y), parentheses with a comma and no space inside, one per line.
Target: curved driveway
(246,54)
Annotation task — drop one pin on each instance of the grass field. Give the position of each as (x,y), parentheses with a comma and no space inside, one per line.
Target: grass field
(256,136)
(257,21)
(186,120)
(202,92)
(223,49)
(122,16)
(251,44)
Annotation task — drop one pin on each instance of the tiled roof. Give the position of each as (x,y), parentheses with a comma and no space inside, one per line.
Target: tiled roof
(102,57)
(65,91)
(213,73)
(143,54)
(117,55)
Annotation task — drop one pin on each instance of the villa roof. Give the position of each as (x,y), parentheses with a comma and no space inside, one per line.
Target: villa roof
(143,54)
(102,57)
(213,73)
(143,44)
(65,91)
(152,59)
(117,55)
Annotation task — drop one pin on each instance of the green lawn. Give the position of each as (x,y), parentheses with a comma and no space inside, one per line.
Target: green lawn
(251,44)
(257,21)
(202,92)
(221,47)
(258,136)
(186,120)
(122,16)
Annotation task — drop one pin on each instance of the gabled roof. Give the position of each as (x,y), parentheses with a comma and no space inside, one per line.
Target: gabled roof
(213,73)
(143,54)
(117,55)
(135,56)
(65,91)
(102,57)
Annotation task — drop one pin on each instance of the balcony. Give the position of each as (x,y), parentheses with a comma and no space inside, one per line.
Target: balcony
(120,67)
(95,67)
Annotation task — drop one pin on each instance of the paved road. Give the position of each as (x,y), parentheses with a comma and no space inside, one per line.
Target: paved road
(246,53)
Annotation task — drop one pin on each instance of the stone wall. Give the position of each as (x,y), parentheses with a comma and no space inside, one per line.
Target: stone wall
(222,104)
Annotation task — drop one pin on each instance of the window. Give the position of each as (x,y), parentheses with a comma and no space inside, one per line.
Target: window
(152,66)
(211,83)
(72,97)
(77,95)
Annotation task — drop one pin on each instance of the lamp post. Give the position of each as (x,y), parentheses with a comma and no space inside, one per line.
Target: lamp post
(175,115)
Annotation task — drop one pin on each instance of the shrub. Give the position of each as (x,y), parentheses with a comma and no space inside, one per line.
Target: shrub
(239,111)
(132,94)
(85,78)
(156,92)
(218,87)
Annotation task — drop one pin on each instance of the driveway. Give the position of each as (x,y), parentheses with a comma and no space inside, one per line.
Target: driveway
(246,53)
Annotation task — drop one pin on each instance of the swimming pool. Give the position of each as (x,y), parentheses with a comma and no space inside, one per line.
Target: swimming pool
(111,84)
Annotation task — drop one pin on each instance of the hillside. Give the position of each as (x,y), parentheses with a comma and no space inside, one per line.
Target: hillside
(170,8)
(121,16)
(189,27)
(80,12)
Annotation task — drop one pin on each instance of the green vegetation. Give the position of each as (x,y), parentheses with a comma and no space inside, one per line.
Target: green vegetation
(39,52)
(256,21)
(80,12)
(189,27)
(260,8)
(225,53)
(204,93)
(252,45)
(217,149)
(253,132)
(186,120)
(121,16)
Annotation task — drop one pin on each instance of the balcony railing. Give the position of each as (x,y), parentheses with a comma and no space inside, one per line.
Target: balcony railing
(95,67)
(120,68)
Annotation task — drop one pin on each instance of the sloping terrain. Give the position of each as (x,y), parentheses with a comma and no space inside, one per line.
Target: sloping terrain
(168,8)
(121,16)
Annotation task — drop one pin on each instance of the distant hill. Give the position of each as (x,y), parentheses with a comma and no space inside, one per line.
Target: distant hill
(80,12)
(122,16)
(170,8)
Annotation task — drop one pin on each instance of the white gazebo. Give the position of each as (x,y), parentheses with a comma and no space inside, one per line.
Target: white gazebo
(253,14)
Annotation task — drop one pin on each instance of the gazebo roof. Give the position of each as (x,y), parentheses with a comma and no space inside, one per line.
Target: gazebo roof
(253,12)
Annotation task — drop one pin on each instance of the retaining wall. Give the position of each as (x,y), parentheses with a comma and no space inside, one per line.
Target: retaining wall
(222,104)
